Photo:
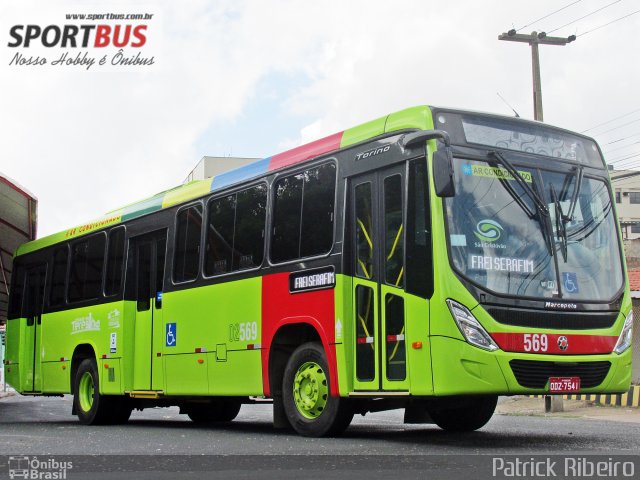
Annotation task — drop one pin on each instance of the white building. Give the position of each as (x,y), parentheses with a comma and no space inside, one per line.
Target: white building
(626,185)
(209,167)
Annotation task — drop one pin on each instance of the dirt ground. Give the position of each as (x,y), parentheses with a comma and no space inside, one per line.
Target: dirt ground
(528,406)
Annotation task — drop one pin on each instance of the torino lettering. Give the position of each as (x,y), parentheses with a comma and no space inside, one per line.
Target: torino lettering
(500,264)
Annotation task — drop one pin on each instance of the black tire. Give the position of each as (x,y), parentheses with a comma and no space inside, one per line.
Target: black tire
(336,414)
(99,411)
(219,410)
(465,413)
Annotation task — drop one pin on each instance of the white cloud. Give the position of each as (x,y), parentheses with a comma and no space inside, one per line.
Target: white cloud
(86,142)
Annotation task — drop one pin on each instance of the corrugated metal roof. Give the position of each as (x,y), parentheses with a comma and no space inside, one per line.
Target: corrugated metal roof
(18,209)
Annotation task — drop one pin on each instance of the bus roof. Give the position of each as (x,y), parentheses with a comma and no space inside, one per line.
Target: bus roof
(414,117)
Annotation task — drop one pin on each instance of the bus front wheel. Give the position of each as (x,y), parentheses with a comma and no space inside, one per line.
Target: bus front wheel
(308,404)
(464,414)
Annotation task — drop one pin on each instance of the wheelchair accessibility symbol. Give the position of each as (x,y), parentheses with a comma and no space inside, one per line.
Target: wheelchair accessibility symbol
(171,335)
(570,282)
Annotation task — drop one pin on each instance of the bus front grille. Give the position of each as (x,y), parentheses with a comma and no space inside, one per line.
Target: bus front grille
(550,319)
(535,374)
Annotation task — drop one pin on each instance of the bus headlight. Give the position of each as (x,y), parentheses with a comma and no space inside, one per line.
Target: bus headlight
(470,328)
(624,340)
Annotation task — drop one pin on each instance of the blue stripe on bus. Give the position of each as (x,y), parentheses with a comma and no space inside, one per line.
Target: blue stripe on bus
(141,208)
(239,174)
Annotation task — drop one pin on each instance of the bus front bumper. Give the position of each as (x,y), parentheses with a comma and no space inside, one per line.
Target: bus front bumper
(460,368)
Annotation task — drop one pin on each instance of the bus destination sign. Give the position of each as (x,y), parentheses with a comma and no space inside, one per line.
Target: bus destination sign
(316,279)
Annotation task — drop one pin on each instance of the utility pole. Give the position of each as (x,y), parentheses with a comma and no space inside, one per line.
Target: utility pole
(534,40)
(551,403)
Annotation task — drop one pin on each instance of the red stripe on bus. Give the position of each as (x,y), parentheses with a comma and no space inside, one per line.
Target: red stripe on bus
(305,152)
(281,308)
(574,344)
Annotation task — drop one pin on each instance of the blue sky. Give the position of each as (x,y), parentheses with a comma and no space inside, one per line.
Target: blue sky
(264,124)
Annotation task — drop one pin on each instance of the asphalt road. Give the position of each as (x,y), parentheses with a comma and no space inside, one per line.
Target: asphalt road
(378,443)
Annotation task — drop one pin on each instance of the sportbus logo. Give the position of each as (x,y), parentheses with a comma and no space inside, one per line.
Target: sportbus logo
(83,40)
(33,468)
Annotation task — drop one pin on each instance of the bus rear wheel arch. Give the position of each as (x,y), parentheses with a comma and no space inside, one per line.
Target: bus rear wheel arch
(307,402)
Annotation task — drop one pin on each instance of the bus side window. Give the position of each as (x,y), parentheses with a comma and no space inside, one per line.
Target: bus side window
(222,217)
(17,291)
(248,239)
(303,214)
(235,231)
(317,210)
(115,262)
(285,241)
(419,278)
(59,276)
(187,248)
(87,263)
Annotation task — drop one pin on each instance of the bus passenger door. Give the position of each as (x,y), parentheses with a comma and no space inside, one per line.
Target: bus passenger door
(149,252)
(386,317)
(30,367)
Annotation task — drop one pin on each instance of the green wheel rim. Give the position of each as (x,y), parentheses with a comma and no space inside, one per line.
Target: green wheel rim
(85,391)
(310,390)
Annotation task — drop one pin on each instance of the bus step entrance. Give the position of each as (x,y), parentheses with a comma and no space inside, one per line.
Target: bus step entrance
(145,394)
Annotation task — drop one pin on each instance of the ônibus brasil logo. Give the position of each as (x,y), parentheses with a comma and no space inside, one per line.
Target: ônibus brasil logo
(488,230)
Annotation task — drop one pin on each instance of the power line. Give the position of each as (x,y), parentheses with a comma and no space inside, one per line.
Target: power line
(609,121)
(620,139)
(547,16)
(620,148)
(622,159)
(628,166)
(620,126)
(585,16)
(606,24)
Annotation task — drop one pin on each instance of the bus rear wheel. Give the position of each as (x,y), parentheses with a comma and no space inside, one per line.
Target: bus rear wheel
(91,407)
(464,414)
(308,404)
(219,410)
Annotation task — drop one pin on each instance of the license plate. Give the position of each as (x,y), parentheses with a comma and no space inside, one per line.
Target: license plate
(564,384)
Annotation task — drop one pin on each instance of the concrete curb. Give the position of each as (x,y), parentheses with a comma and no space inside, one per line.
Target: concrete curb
(629,399)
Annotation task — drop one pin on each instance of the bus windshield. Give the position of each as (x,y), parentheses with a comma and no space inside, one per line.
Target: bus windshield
(505,242)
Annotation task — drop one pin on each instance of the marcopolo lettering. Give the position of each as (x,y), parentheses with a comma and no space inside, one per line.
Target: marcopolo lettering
(373,152)
(561,306)
(312,280)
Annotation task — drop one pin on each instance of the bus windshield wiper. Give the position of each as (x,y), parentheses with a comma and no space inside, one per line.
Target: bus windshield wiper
(561,218)
(574,198)
(543,210)
(533,195)
(561,228)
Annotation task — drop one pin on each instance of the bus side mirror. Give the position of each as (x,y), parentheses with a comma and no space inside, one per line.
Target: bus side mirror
(442,159)
(443,172)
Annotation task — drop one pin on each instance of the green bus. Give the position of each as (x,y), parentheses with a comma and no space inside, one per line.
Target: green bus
(430,260)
